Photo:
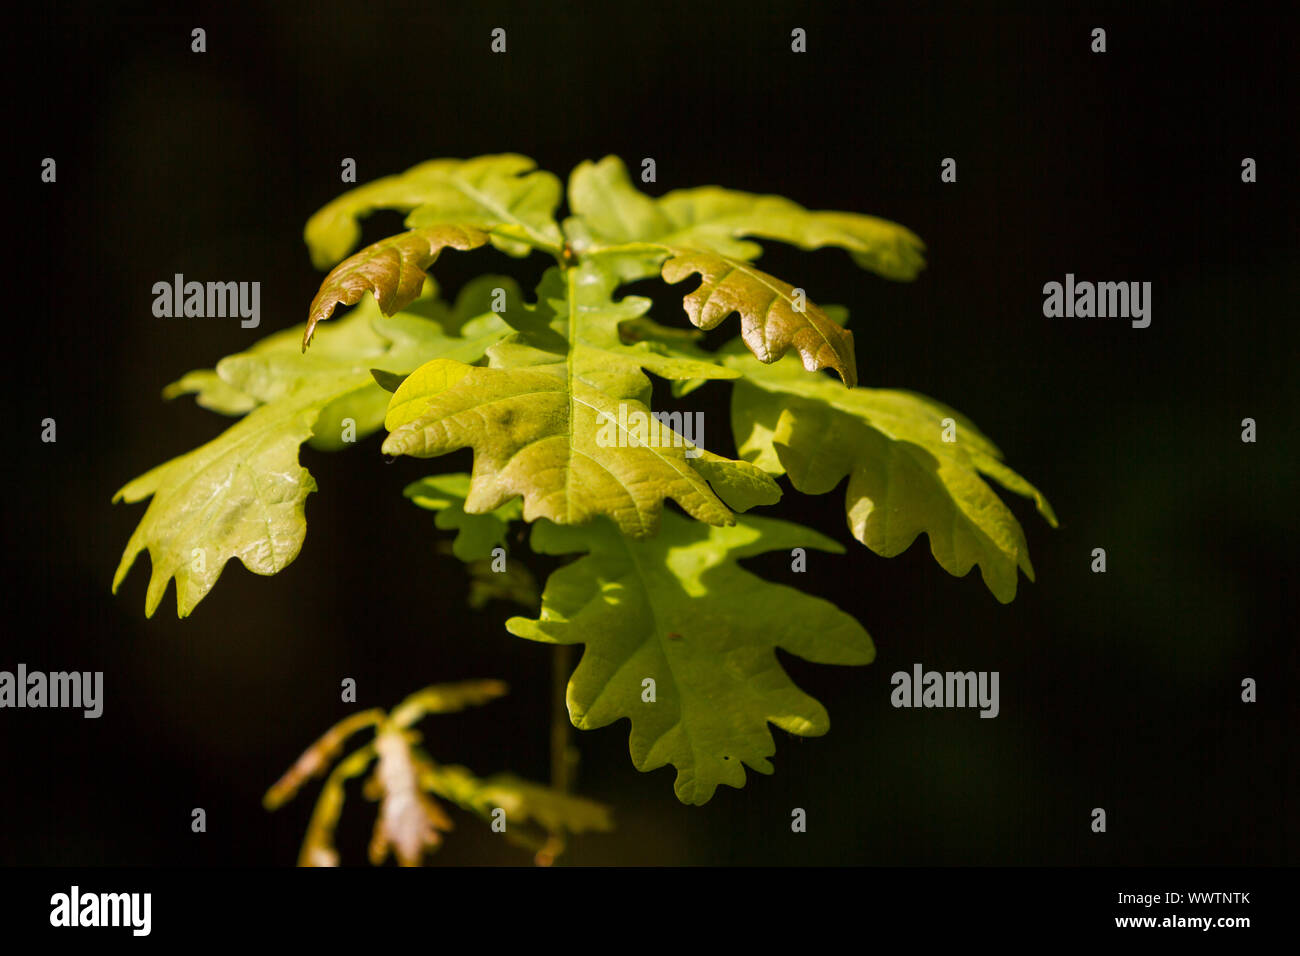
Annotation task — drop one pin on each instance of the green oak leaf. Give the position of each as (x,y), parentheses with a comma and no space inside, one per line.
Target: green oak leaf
(679,610)
(503,195)
(243,381)
(275,365)
(477,537)
(669,340)
(515,584)
(687,343)
(547,417)
(904,478)
(242,495)
(477,534)
(714,219)
(698,230)
(212,392)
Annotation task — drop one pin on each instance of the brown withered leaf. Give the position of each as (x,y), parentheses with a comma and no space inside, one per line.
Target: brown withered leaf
(770,323)
(316,758)
(392,269)
(446,699)
(409,821)
(405,781)
(318,845)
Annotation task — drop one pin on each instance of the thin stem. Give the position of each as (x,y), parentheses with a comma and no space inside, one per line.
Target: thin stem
(629,247)
(564,756)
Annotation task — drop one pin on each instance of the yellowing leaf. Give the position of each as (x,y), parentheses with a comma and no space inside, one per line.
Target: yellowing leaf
(905,479)
(772,320)
(546,418)
(715,219)
(392,269)
(699,230)
(239,496)
(242,494)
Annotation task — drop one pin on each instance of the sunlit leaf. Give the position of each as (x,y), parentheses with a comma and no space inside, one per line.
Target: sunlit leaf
(242,495)
(546,417)
(773,321)
(905,478)
(699,230)
(391,269)
(715,219)
(501,193)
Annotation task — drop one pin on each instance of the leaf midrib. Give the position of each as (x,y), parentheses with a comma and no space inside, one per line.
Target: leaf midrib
(505,212)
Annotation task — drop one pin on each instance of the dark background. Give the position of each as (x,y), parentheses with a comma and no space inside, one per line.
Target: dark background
(1118,691)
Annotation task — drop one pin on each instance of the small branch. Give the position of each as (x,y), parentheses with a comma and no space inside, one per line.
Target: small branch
(631,247)
(564,756)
